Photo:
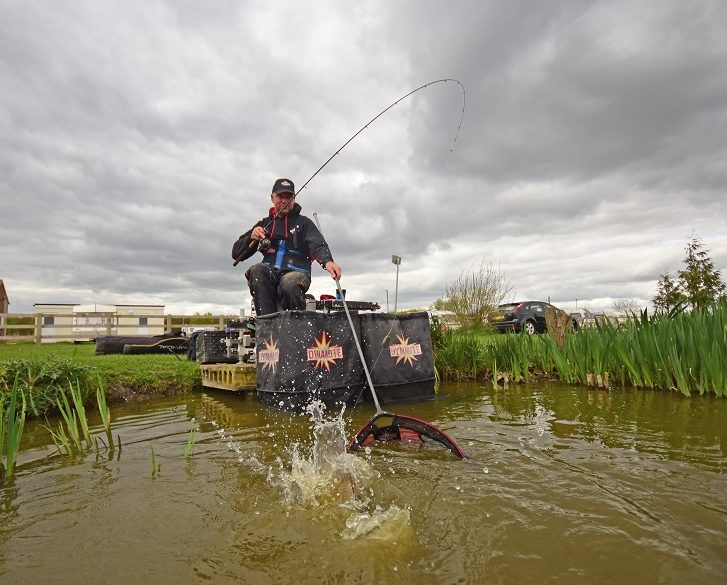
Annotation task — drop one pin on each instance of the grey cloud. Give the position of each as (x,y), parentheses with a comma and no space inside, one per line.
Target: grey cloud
(135,150)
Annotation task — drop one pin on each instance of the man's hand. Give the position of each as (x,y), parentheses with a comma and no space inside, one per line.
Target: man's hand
(333,269)
(258,233)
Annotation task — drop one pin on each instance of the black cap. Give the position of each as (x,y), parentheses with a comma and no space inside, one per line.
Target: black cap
(283,186)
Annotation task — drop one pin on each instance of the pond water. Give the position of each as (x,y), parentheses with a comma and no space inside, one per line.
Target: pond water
(563,485)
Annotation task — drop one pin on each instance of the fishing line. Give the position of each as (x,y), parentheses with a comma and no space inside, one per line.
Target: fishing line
(423,231)
(371,121)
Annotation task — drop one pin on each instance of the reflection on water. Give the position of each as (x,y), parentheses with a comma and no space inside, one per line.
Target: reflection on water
(564,484)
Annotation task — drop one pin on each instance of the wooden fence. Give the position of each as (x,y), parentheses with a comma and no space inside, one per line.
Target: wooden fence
(48,327)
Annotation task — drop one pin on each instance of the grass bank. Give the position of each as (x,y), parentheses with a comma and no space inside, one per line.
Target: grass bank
(686,353)
(40,370)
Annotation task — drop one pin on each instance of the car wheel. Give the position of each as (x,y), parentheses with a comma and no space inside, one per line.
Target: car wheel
(529,327)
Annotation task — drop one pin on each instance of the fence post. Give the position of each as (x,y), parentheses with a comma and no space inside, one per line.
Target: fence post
(38,327)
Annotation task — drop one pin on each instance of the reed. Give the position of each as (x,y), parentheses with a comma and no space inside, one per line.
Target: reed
(682,352)
(77,397)
(461,357)
(155,467)
(72,430)
(190,443)
(12,423)
(105,414)
(66,437)
(2,436)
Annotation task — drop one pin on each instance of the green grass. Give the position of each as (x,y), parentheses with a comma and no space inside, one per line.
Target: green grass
(43,369)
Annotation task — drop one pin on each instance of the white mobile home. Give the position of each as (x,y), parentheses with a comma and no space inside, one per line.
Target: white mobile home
(75,322)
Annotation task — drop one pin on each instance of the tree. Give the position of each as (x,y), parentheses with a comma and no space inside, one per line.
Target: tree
(698,285)
(474,294)
(442,305)
(699,280)
(668,294)
(626,306)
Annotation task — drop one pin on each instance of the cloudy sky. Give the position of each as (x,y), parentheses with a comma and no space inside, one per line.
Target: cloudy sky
(139,139)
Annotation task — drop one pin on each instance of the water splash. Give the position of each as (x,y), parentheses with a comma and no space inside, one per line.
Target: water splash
(389,524)
(328,474)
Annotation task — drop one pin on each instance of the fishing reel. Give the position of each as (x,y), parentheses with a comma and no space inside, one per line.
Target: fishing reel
(264,244)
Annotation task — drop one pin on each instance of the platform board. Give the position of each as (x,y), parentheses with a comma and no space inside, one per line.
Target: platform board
(232,377)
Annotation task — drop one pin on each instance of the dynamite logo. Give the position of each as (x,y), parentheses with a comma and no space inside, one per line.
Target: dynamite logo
(324,354)
(269,355)
(405,351)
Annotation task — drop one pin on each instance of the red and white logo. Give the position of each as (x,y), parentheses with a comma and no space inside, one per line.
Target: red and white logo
(404,351)
(269,355)
(324,354)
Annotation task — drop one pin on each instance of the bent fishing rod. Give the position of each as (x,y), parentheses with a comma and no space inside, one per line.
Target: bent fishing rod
(345,144)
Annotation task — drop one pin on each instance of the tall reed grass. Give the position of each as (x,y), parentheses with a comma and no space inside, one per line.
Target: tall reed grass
(684,352)
(72,430)
(105,414)
(190,443)
(12,422)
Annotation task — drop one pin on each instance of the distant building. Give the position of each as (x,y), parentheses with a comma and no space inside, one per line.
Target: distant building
(4,302)
(447,318)
(75,322)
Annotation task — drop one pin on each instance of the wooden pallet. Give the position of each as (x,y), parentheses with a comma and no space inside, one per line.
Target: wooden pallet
(232,377)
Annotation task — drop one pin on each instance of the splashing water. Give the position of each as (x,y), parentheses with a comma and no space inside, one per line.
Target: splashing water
(328,475)
(390,524)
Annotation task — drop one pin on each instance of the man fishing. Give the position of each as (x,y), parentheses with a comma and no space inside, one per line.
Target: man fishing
(288,242)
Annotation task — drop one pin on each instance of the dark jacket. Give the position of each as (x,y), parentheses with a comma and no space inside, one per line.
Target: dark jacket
(295,242)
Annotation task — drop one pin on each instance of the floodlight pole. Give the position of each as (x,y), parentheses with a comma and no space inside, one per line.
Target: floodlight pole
(396,260)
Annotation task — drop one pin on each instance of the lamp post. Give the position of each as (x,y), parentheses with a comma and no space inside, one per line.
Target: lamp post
(387,300)
(396,260)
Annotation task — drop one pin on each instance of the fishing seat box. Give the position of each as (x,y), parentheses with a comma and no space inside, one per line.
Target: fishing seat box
(307,355)
(398,352)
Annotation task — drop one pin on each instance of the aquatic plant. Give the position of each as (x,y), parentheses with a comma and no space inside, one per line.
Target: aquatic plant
(681,351)
(461,356)
(73,428)
(12,423)
(155,467)
(105,414)
(190,443)
(77,397)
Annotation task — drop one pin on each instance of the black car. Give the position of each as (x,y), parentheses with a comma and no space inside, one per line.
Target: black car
(526,316)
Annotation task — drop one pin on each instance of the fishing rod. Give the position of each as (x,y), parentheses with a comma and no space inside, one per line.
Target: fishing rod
(246,254)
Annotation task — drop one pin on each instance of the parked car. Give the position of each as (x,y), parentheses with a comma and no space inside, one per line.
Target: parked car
(525,316)
(584,317)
